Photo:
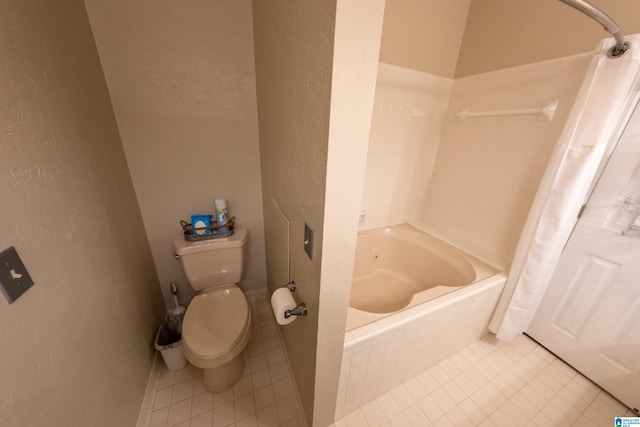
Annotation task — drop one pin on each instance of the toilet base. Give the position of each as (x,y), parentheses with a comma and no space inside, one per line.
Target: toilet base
(224,377)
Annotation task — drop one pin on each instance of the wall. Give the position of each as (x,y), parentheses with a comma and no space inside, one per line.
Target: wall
(418,56)
(355,58)
(76,349)
(490,206)
(423,40)
(293,59)
(488,168)
(424,35)
(182,82)
(505,33)
(407,121)
(315,107)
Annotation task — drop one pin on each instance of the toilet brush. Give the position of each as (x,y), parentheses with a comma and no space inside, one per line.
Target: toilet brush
(178,309)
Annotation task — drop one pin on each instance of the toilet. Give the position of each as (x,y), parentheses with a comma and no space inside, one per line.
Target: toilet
(217,323)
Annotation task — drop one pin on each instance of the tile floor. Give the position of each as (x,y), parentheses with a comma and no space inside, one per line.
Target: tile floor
(487,384)
(493,384)
(262,398)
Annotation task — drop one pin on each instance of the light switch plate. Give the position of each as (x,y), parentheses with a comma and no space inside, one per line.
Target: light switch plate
(14,277)
(308,240)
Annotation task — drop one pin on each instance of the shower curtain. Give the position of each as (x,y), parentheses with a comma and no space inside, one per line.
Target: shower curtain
(604,99)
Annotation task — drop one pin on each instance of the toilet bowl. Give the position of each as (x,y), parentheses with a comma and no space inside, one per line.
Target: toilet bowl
(215,331)
(217,323)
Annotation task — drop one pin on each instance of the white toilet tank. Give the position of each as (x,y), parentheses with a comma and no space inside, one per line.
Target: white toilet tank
(214,262)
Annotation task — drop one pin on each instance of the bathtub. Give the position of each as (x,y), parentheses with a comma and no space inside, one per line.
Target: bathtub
(415,300)
(400,267)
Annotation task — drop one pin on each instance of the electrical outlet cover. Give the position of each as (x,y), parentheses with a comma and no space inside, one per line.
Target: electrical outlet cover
(14,277)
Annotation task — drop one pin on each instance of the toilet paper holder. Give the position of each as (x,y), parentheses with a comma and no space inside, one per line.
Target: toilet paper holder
(301,309)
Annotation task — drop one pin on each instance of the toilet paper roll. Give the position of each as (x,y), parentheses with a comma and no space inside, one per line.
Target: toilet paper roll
(282,300)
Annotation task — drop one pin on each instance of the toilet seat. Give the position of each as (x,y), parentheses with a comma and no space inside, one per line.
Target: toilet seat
(216,327)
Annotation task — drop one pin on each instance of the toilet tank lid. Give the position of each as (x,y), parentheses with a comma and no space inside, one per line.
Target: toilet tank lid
(238,239)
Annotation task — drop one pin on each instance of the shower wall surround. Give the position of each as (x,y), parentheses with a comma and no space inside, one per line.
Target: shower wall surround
(408,115)
(470,183)
(488,169)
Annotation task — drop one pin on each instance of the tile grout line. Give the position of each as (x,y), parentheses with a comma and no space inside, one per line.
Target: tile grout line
(539,410)
(276,363)
(537,366)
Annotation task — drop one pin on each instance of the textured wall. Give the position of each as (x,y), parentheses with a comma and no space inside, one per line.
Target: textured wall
(506,33)
(181,78)
(76,348)
(293,54)
(424,35)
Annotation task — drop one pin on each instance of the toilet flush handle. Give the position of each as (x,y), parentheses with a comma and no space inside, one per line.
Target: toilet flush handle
(176,255)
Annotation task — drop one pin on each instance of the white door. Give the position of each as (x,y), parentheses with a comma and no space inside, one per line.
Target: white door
(590,313)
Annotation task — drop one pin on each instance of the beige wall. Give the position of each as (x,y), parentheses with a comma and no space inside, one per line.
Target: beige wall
(464,37)
(181,78)
(488,168)
(506,33)
(424,35)
(76,349)
(355,59)
(294,83)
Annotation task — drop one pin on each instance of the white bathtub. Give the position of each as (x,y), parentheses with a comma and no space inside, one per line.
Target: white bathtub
(415,301)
